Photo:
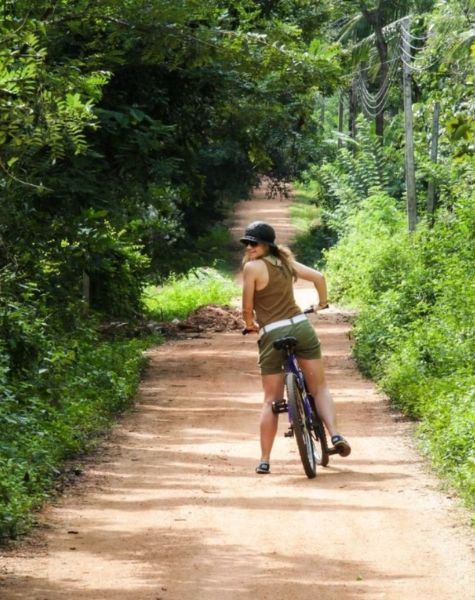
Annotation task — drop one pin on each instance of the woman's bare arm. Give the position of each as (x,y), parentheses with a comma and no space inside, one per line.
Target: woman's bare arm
(318,280)
(249,285)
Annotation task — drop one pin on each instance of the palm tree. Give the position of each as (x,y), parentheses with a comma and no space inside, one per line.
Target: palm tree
(368,24)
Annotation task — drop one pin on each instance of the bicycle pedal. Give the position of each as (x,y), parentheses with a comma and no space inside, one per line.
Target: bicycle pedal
(280,406)
(289,433)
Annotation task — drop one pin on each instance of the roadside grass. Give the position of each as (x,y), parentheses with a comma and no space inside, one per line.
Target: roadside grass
(180,295)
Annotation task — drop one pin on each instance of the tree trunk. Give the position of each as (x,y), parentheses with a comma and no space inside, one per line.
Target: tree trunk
(383,73)
(352,111)
(433,156)
(341,114)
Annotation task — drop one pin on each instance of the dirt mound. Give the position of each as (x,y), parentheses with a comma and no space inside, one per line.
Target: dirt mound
(206,318)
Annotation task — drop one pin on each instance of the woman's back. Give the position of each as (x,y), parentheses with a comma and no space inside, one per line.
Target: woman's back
(276,300)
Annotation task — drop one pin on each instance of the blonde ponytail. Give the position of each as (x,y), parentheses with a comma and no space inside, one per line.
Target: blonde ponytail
(285,255)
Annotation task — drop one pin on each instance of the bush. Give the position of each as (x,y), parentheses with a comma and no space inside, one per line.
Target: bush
(371,251)
(58,393)
(415,332)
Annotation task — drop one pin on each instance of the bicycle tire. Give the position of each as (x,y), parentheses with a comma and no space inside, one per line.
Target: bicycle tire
(301,429)
(320,442)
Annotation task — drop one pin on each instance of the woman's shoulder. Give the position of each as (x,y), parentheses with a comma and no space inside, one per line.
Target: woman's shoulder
(254,266)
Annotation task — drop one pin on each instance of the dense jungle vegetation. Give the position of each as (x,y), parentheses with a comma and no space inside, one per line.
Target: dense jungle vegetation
(128,128)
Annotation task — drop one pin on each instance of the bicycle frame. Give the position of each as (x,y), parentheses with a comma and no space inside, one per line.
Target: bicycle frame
(291,366)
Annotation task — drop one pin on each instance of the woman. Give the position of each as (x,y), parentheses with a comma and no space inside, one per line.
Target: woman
(268,307)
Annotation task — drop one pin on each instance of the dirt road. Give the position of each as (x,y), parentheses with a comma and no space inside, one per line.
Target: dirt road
(174,511)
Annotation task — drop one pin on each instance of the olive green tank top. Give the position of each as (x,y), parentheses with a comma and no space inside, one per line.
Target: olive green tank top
(275,301)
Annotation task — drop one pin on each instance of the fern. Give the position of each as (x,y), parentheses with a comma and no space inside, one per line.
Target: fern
(352,177)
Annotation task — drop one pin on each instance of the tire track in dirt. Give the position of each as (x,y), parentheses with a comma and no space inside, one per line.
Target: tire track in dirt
(172,508)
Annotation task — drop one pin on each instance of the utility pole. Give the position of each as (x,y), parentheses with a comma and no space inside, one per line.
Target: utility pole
(408,127)
(434,146)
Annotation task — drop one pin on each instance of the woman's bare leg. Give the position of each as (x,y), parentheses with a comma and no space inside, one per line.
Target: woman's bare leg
(273,391)
(317,386)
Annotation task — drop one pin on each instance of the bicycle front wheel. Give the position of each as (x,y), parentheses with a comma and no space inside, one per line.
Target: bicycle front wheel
(301,427)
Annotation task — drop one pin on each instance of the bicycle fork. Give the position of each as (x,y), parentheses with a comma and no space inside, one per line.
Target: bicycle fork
(281,406)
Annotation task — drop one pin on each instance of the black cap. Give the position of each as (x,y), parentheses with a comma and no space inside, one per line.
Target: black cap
(259,232)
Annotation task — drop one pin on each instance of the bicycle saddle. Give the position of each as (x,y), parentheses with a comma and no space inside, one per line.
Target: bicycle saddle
(285,343)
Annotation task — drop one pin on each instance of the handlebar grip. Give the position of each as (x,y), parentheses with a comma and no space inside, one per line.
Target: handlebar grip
(312,309)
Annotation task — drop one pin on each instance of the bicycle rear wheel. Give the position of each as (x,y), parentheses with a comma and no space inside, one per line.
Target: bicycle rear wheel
(302,430)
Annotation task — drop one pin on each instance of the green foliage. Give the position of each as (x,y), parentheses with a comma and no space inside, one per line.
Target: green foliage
(415,325)
(56,412)
(373,242)
(127,132)
(179,296)
(345,180)
(40,108)
(448,61)
(416,328)
(60,386)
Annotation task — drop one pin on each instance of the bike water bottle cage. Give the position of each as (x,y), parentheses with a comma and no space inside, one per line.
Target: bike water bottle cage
(285,343)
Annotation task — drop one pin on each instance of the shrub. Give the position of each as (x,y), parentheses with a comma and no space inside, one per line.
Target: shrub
(415,331)
(58,392)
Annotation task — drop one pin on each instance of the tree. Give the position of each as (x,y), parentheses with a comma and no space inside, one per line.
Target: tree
(369,23)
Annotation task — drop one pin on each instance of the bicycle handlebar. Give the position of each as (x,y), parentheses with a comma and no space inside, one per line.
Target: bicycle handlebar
(310,309)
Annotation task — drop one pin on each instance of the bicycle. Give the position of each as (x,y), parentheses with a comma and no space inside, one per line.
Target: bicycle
(304,422)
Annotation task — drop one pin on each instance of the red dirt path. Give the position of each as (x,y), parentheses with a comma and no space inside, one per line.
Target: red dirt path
(171,509)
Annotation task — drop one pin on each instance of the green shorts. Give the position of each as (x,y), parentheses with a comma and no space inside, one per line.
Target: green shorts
(308,346)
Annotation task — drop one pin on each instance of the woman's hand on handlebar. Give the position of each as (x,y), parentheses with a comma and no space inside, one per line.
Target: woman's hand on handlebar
(254,328)
(316,308)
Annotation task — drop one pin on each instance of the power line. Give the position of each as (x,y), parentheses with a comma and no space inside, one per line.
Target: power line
(386,62)
(421,47)
(412,35)
(373,108)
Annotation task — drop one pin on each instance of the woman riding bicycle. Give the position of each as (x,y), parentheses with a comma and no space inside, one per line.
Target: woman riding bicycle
(269,308)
